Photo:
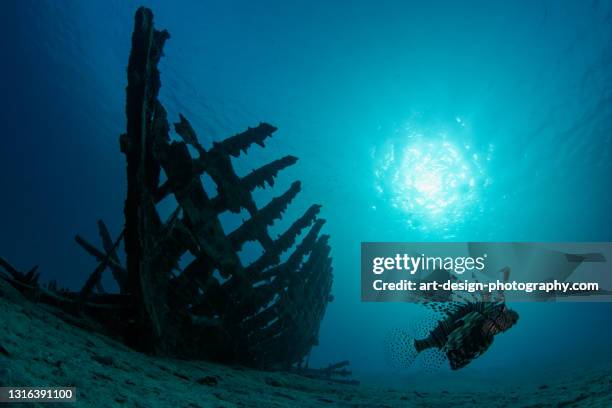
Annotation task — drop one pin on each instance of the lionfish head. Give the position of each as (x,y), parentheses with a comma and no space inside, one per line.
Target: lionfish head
(503,319)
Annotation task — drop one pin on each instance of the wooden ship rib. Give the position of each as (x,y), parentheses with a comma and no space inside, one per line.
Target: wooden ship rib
(265,314)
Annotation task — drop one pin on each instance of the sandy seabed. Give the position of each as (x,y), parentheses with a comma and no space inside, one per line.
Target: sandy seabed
(40,349)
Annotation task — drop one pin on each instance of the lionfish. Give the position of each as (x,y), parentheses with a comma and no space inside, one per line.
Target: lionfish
(465,331)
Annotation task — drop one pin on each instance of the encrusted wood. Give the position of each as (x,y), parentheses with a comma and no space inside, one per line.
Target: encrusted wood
(265,314)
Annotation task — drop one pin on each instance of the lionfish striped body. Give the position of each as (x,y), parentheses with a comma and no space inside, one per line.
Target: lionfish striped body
(467,331)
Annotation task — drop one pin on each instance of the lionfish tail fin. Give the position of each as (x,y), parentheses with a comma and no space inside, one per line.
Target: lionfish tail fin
(400,348)
(421,345)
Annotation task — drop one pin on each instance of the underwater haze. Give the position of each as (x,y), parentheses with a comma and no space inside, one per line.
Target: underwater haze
(412,121)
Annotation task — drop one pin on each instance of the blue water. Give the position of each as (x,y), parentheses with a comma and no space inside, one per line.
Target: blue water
(520,91)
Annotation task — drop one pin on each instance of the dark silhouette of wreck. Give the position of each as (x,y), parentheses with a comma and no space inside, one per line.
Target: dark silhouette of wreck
(266,314)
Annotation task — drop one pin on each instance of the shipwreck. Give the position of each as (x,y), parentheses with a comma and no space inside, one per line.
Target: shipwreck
(265,314)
